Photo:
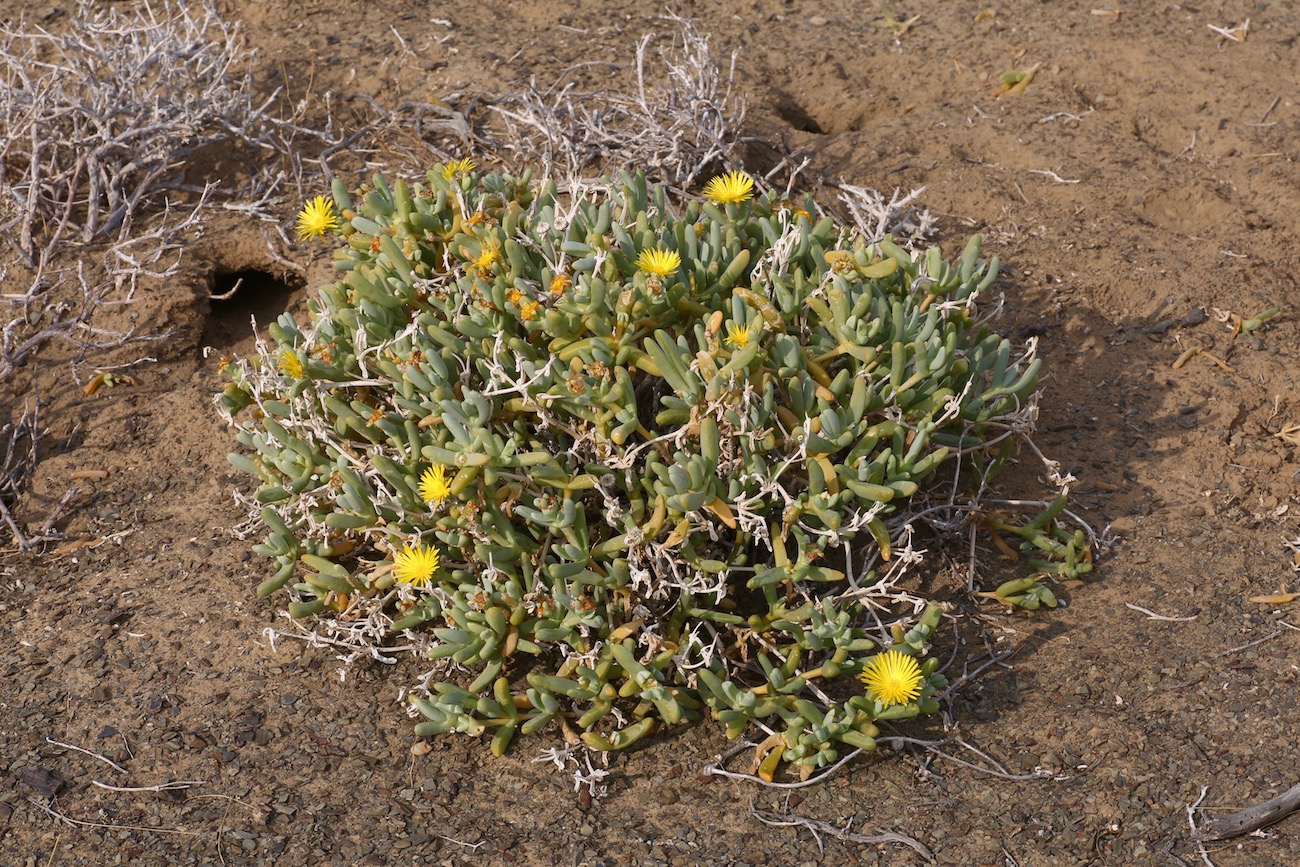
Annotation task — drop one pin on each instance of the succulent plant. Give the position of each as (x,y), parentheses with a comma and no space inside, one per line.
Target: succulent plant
(619,454)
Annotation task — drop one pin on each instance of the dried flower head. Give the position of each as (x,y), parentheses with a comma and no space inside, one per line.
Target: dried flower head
(892,678)
(317,218)
(660,263)
(434,488)
(787,207)
(730,188)
(415,566)
(458,167)
(289,364)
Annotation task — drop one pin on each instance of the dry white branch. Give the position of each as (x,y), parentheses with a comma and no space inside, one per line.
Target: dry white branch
(1053,176)
(97,121)
(1254,817)
(1151,615)
(682,120)
(161,787)
(114,765)
(816,827)
(1236,33)
(875,216)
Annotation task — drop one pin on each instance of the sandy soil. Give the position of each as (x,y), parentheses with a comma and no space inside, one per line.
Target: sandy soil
(1143,182)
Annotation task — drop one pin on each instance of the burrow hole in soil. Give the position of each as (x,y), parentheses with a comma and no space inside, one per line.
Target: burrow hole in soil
(239,296)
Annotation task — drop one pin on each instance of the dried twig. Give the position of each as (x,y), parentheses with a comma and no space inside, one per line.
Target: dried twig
(114,765)
(161,787)
(1253,818)
(1053,176)
(682,120)
(715,769)
(961,681)
(99,119)
(1196,833)
(1236,33)
(1151,615)
(1274,634)
(81,823)
(816,827)
(875,217)
(933,746)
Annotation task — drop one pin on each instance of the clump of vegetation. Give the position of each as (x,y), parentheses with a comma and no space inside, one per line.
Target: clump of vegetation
(624,462)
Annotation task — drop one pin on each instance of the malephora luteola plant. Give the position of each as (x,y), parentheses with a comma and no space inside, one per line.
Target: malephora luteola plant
(617,457)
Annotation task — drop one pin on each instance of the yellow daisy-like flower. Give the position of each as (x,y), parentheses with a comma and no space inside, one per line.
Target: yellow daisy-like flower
(434,487)
(458,167)
(415,566)
(892,678)
(513,296)
(529,311)
(660,263)
(317,218)
(730,188)
(287,361)
(738,337)
(560,284)
(487,258)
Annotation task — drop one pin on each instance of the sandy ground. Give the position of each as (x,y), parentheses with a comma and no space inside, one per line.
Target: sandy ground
(1140,190)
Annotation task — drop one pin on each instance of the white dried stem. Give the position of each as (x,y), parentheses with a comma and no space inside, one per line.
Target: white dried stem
(682,120)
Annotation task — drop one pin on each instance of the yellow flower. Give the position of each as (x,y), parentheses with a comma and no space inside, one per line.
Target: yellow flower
(892,678)
(317,218)
(529,311)
(433,485)
(289,364)
(730,188)
(487,258)
(560,283)
(415,566)
(513,296)
(738,337)
(660,263)
(455,167)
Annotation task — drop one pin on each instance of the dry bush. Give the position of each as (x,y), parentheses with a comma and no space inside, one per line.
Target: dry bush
(96,126)
(682,121)
(99,120)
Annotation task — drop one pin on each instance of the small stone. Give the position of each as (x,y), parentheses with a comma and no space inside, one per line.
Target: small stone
(46,782)
(1124,525)
(1161,327)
